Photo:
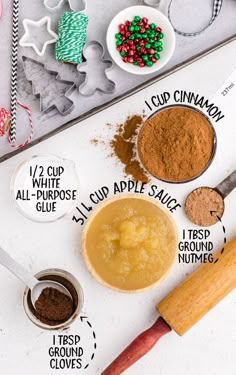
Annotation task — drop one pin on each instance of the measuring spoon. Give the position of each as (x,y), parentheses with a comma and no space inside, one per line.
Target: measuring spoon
(227,185)
(204,206)
(25,276)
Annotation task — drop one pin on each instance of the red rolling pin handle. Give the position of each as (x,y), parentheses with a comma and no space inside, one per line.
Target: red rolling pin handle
(138,348)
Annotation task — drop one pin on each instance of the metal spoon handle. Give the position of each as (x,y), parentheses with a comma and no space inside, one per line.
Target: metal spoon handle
(226,186)
(19,271)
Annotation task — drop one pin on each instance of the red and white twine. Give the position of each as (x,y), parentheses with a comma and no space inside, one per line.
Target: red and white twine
(5,119)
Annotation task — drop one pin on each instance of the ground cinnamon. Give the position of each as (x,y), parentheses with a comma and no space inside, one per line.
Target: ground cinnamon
(176,144)
(124,147)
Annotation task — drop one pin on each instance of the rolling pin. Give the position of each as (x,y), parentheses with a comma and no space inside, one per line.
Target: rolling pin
(184,306)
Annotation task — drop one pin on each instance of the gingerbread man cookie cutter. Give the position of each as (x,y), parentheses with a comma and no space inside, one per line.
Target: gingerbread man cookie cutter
(96,76)
(75,5)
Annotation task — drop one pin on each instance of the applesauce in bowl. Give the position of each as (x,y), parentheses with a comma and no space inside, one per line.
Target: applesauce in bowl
(130,243)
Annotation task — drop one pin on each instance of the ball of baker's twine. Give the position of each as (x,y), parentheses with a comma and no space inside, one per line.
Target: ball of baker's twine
(72,31)
(5,121)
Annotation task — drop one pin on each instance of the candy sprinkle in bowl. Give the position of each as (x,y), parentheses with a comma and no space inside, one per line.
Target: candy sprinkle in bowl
(140,40)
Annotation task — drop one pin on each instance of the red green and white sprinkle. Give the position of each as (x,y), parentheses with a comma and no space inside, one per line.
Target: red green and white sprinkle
(139,42)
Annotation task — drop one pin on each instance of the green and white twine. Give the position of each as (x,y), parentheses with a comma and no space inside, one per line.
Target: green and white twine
(72,31)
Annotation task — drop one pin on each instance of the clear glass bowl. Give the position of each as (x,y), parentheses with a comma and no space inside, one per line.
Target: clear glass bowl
(37,167)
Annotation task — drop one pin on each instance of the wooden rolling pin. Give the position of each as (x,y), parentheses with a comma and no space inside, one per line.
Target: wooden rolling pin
(183,307)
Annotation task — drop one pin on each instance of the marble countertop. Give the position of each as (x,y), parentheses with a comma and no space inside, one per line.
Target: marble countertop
(116,318)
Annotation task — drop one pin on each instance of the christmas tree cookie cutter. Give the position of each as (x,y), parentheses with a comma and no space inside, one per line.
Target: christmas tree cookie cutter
(95,70)
(75,5)
(51,95)
(30,40)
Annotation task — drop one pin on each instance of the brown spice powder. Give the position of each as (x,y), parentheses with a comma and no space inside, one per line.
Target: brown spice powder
(68,285)
(94,141)
(130,126)
(54,305)
(124,147)
(203,205)
(176,144)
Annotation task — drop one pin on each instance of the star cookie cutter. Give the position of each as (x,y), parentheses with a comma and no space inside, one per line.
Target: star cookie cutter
(28,41)
(75,5)
(100,80)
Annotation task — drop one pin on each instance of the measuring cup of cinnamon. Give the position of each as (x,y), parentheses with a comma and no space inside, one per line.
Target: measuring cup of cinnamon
(177,144)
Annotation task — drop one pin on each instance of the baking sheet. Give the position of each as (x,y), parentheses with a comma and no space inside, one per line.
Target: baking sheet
(100,14)
(116,315)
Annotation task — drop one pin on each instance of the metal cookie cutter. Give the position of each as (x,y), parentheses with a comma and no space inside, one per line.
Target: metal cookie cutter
(48,87)
(152,3)
(75,5)
(95,69)
(28,40)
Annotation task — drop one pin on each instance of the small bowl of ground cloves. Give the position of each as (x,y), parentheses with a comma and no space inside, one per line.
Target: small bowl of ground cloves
(53,309)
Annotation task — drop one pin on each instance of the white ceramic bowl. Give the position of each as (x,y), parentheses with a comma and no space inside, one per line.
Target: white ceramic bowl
(154,16)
